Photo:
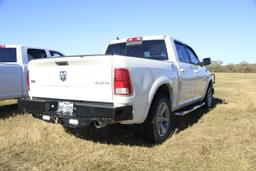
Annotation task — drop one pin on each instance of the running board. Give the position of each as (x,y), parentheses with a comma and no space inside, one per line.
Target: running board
(188,110)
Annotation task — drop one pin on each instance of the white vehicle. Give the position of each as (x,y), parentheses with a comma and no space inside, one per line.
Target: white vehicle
(140,80)
(13,68)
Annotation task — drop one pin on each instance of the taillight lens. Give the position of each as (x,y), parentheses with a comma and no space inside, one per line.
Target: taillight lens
(27,81)
(122,82)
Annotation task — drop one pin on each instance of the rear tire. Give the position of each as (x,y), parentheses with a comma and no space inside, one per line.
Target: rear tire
(159,123)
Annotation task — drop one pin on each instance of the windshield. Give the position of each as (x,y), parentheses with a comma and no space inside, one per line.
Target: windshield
(8,55)
(152,49)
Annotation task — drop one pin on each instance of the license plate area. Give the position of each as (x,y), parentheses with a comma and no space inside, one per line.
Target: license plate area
(65,108)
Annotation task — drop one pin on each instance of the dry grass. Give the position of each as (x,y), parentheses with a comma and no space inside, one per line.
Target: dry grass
(7,102)
(221,139)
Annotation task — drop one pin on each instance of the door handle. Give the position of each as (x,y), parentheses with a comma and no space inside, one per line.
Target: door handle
(182,70)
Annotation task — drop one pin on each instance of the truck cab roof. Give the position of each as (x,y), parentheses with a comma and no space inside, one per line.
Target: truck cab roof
(23,46)
(158,37)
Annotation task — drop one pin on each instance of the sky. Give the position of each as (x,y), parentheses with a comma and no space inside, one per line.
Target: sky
(221,29)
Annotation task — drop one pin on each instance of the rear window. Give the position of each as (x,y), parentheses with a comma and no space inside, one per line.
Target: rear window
(36,54)
(8,55)
(152,49)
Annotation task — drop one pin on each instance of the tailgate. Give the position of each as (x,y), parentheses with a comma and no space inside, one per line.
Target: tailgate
(73,78)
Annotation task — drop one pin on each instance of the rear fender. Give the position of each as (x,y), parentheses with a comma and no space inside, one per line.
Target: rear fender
(156,85)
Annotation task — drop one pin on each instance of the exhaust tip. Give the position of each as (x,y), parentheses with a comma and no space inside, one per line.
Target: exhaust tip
(99,124)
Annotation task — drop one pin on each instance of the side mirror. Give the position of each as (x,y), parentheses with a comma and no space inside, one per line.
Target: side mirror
(206,61)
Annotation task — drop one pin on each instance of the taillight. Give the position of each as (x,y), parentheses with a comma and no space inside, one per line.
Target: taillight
(122,82)
(27,81)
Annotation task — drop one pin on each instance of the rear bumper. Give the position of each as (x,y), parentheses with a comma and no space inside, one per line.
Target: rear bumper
(83,112)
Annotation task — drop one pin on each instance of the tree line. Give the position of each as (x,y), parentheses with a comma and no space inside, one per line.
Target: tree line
(243,67)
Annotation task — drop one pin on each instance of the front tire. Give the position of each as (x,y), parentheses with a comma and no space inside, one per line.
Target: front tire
(159,124)
(208,100)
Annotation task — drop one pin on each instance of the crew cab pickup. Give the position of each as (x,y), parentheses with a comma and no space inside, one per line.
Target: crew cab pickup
(140,80)
(13,68)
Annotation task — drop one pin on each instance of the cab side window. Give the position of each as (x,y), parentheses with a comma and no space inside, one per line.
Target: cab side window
(182,53)
(55,54)
(193,56)
(36,54)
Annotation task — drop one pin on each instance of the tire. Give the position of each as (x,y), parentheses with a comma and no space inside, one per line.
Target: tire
(208,98)
(159,123)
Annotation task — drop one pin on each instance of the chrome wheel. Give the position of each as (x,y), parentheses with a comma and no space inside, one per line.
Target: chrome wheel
(159,124)
(162,119)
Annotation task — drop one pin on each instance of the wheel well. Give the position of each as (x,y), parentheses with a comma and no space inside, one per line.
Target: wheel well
(211,85)
(163,89)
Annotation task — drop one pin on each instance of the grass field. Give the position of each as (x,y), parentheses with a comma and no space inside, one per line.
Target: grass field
(221,139)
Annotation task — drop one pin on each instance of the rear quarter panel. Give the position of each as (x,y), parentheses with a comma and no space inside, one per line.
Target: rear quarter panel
(146,77)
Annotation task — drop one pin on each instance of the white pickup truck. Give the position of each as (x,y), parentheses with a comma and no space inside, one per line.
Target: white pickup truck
(13,68)
(140,80)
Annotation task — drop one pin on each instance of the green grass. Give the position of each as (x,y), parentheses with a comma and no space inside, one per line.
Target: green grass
(221,139)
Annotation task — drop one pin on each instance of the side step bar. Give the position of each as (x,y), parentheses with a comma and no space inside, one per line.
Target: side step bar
(188,110)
